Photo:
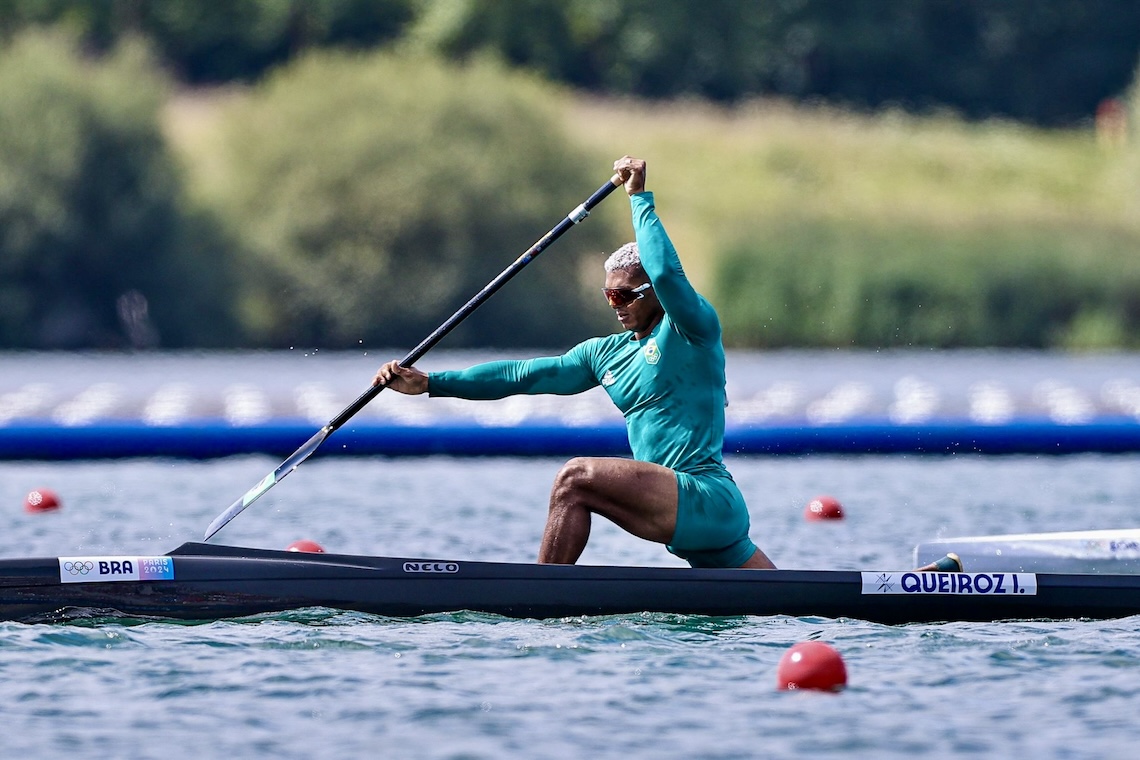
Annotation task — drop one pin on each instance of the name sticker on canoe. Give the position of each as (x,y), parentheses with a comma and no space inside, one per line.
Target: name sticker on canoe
(104,569)
(431,567)
(967,584)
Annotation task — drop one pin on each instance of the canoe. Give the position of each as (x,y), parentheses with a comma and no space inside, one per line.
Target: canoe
(1085,551)
(200,581)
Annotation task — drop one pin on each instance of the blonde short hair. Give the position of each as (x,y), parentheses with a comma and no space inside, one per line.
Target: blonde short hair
(626,259)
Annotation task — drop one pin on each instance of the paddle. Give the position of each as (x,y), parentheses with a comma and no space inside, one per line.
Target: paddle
(303,453)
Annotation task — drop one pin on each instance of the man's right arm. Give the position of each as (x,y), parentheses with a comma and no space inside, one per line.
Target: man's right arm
(561,375)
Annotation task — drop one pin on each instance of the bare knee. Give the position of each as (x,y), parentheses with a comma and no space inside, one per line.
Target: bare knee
(759,561)
(572,480)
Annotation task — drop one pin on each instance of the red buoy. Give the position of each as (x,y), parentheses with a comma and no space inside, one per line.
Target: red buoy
(305,545)
(811,665)
(41,500)
(823,508)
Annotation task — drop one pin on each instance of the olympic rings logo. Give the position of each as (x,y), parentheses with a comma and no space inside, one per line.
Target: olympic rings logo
(79,568)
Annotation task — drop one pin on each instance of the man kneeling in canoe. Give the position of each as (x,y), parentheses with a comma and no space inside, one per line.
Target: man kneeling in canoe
(666,375)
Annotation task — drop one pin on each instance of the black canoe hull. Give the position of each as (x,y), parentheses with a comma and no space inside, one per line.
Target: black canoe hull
(209,582)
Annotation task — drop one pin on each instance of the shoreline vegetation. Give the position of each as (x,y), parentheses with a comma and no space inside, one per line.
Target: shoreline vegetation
(816,226)
(351,198)
(335,174)
(813,226)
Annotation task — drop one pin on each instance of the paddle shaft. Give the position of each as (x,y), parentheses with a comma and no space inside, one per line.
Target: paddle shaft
(310,446)
(477,300)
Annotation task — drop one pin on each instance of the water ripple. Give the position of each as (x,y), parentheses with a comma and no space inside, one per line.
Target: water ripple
(319,682)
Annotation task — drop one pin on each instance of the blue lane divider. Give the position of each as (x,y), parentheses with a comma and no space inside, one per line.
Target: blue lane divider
(206,439)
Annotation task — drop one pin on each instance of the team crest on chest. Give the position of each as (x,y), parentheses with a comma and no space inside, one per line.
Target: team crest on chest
(651,352)
(607,379)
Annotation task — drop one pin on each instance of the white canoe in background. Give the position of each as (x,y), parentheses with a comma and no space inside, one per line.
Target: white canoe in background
(1089,551)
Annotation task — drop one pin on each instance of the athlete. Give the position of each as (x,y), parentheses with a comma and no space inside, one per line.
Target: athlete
(666,375)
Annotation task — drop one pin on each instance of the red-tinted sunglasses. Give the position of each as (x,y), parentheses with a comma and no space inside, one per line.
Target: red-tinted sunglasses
(625,296)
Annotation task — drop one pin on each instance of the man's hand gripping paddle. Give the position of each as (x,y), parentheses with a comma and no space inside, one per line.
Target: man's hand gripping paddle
(300,455)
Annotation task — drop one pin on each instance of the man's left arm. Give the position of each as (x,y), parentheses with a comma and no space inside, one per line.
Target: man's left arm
(689,311)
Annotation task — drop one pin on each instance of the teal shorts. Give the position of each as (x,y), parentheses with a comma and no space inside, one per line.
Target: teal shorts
(712,522)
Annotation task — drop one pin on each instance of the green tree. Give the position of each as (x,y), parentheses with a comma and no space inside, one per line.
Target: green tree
(96,248)
(722,49)
(817,282)
(206,42)
(1041,61)
(378,193)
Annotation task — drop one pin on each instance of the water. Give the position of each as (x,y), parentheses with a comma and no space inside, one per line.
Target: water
(168,388)
(319,683)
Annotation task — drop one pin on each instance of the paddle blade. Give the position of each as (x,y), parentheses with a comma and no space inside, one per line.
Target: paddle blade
(270,480)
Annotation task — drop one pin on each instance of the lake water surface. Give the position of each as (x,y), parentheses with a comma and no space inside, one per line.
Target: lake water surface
(319,683)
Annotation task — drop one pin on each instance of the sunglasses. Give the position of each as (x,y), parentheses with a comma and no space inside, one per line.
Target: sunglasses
(625,296)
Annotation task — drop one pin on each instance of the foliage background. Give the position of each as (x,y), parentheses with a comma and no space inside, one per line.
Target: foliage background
(332,172)
(93,211)
(378,193)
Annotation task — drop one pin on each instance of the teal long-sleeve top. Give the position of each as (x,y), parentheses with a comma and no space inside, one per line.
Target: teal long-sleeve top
(669,386)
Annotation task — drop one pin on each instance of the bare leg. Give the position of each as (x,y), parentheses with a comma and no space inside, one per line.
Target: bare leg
(638,497)
(759,561)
